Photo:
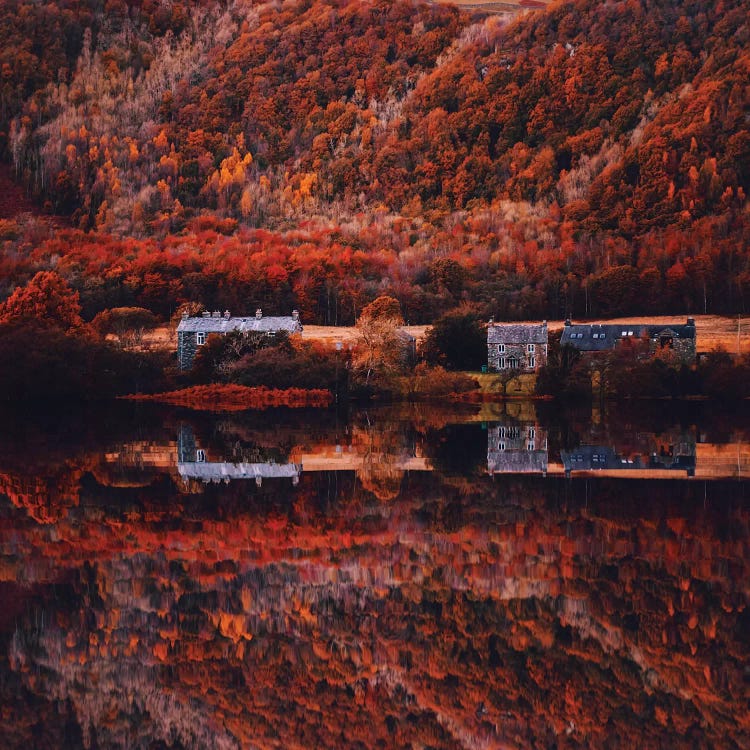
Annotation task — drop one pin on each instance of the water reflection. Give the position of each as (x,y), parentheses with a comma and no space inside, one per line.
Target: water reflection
(195,462)
(397,596)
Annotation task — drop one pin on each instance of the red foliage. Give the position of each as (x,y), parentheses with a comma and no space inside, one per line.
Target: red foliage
(47,298)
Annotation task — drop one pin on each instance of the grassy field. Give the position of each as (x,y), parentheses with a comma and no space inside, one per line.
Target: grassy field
(712,330)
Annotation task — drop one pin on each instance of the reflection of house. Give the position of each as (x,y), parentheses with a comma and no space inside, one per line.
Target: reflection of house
(193,462)
(607,458)
(515,448)
(192,332)
(516,346)
(595,337)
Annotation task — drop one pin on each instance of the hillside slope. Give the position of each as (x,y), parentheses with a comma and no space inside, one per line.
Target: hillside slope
(540,155)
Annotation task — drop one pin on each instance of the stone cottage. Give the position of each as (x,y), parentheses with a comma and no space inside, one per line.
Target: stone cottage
(516,346)
(192,332)
(592,338)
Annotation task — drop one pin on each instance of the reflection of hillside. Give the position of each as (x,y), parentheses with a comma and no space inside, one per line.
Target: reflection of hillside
(506,618)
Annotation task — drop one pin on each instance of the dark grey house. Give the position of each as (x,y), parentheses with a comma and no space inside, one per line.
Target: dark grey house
(516,346)
(606,458)
(595,337)
(192,332)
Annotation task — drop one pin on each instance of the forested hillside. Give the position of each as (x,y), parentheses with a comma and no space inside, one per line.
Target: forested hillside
(593,158)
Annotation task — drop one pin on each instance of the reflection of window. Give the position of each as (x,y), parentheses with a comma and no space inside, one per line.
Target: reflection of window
(200,338)
(530,445)
(200,455)
(501,432)
(501,446)
(532,433)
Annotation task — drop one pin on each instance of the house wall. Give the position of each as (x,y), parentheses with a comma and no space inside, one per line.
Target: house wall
(520,352)
(684,348)
(186,348)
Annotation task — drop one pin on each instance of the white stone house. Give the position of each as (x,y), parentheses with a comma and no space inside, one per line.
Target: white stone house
(516,346)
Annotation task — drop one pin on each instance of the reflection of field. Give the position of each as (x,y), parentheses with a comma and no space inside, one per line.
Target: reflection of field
(715,461)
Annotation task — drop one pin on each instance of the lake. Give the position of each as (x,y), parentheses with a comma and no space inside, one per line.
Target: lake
(411,576)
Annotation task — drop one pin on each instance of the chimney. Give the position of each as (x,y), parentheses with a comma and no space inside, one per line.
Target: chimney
(227,315)
(567,321)
(258,314)
(205,314)
(295,314)
(492,320)
(691,322)
(216,314)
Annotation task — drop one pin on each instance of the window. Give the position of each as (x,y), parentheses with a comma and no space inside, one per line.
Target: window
(200,338)
(531,348)
(200,455)
(532,361)
(501,348)
(512,363)
(501,363)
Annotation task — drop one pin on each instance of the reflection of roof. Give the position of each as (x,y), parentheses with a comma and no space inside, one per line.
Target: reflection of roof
(210,470)
(598,457)
(597,337)
(517,462)
(265,324)
(517,333)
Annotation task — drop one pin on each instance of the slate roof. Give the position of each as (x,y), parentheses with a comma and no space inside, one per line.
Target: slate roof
(517,333)
(218,470)
(595,337)
(266,324)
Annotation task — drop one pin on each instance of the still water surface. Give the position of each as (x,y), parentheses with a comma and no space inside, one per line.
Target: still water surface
(494,577)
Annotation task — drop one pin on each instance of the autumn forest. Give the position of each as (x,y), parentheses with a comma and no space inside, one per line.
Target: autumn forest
(591,159)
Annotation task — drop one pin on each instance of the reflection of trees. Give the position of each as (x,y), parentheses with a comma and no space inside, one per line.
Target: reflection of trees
(433,621)
(459,449)
(383,446)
